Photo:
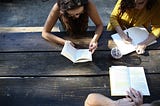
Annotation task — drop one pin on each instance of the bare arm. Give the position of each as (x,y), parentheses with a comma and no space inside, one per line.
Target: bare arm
(150,38)
(93,14)
(96,99)
(124,36)
(142,46)
(50,22)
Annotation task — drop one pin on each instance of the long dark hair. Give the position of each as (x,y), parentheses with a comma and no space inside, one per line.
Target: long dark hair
(70,4)
(129,4)
(77,25)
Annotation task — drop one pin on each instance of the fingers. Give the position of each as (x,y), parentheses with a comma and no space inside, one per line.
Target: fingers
(68,41)
(136,96)
(130,95)
(125,102)
(140,51)
(140,95)
(72,43)
(127,40)
(134,92)
(92,47)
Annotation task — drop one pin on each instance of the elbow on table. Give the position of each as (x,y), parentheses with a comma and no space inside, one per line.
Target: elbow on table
(90,100)
(44,34)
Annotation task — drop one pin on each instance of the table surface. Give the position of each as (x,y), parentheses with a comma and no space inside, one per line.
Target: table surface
(34,73)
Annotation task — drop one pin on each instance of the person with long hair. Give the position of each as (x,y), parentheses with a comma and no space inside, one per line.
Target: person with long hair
(74,16)
(130,13)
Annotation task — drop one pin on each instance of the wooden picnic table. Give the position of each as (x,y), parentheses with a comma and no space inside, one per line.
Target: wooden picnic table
(34,73)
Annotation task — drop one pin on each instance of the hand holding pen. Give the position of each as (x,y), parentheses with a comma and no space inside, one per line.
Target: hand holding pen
(126,38)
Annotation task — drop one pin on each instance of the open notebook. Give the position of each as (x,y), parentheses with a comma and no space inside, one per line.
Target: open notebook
(137,34)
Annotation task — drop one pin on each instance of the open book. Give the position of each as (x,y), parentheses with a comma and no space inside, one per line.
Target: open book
(137,34)
(122,78)
(76,55)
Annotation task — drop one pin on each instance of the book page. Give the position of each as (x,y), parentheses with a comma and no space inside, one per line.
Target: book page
(76,55)
(83,55)
(119,80)
(138,80)
(69,51)
(123,47)
(137,34)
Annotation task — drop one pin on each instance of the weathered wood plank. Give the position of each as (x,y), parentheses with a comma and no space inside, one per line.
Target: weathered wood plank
(61,91)
(32,41)
(54,64)
(55,91)
(43,64)
(150,60)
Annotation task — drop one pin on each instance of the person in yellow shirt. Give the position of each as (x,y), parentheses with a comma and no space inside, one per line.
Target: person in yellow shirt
(130,13)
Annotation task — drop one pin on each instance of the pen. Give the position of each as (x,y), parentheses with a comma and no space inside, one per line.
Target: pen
(128,35)
(126,31)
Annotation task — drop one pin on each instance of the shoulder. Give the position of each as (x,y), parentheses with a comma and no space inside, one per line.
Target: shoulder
(55,8)
(90,2)
(91,5)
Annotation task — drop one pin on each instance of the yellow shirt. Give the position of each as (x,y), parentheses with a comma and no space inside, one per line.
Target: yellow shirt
(135,17)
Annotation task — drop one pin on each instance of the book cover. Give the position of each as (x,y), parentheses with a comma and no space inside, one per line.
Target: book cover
(122,78)
(137,34)
(76,55)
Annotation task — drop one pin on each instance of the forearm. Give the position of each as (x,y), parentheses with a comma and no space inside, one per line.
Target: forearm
(125,37)
(98,32)
(150,38)
(96,99)
(120,31)
(52,38)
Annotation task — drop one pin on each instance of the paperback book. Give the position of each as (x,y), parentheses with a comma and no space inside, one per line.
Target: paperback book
(122,78)
(76,55)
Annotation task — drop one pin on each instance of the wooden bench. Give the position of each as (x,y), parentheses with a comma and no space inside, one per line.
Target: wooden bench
(33,73)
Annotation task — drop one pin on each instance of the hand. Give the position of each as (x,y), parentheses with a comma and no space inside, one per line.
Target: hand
(93,46)
(140,49)
(136,97)
(124,102)
(70,42)
(126,39)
